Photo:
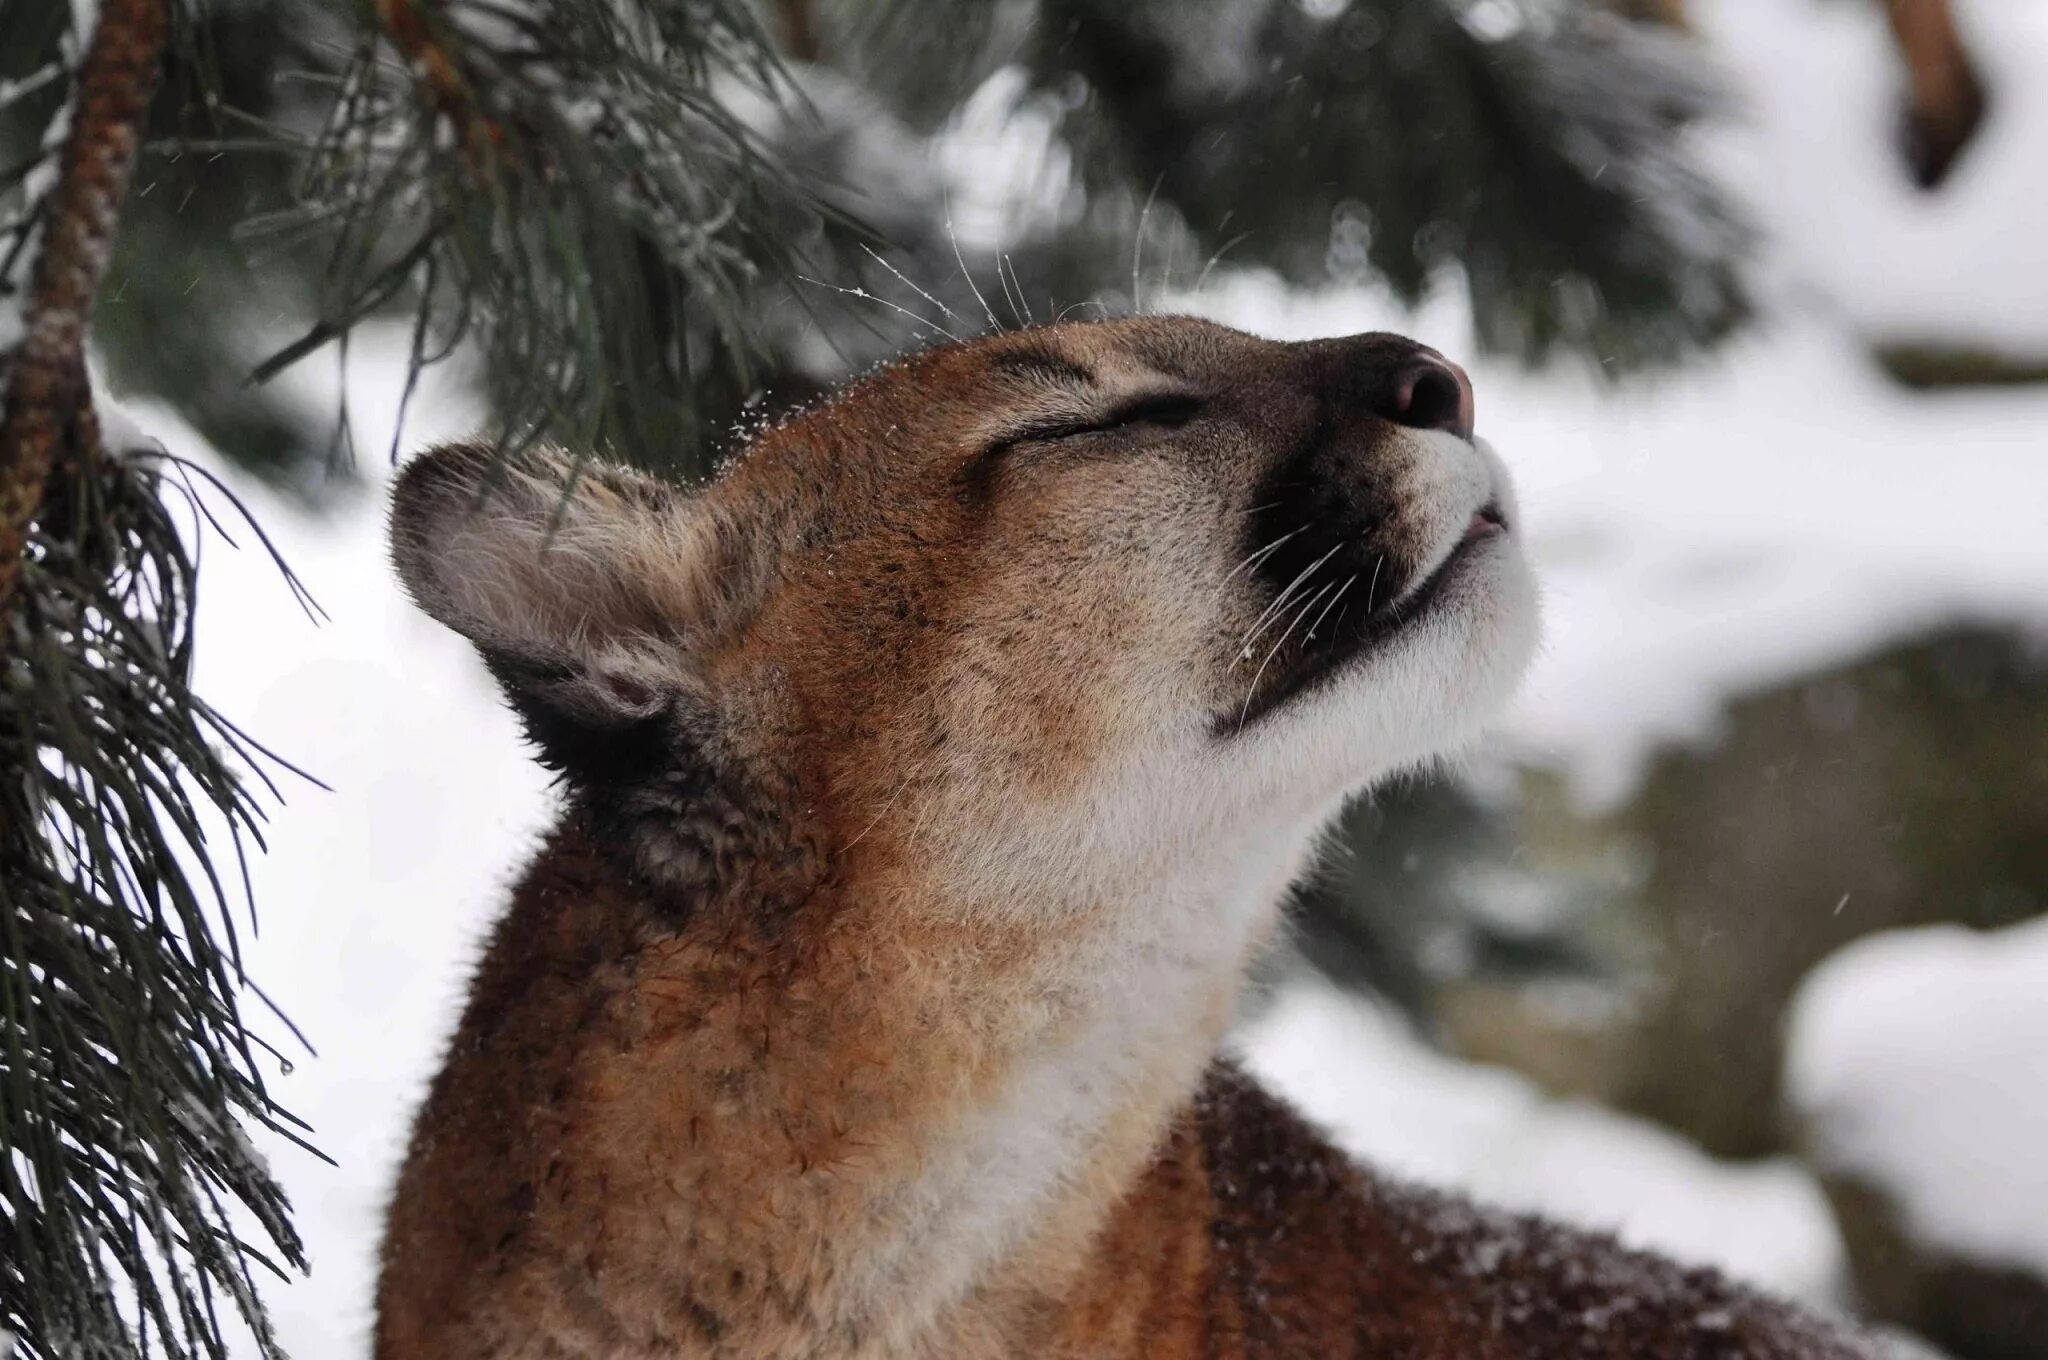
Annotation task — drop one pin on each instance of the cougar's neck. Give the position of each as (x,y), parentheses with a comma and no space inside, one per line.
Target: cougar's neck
(872,1095)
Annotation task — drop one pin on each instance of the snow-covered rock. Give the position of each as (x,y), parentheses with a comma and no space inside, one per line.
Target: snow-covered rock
(1919,1065)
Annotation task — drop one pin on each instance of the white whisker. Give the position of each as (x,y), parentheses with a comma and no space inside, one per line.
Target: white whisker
(987,310)
(944,310)
(866,296)
(1202,280)
(1273,610)
(1029,319)
(1009,298)
(1252,692)
(1263,553)
(1138,251)
(1341,590)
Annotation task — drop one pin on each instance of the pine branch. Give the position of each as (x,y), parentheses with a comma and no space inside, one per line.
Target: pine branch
(1529,154)
(47,374)
(189,305)
(128,1188)
(439,75)
(582,195)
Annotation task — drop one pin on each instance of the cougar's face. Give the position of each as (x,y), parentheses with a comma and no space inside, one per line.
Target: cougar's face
(1077,545)
(1065,569)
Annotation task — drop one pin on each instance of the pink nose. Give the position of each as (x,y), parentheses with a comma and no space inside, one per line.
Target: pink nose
(1433,393)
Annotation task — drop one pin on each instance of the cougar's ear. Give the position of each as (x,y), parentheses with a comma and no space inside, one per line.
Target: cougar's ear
(590,590)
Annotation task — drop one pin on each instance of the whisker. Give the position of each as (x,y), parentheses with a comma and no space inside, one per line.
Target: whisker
(866,296)
(1375,581)
(1252,692)
(1009,296)
(1263,553)
(1273,609)
(1202,279)
(1029,319)
(944,310)
(1138,249)
(1273,613)
(989,311)
(1310,603)
(1246,652)
(1341,591)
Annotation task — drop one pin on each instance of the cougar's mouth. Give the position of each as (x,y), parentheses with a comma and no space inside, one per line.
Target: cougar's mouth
(1329,628)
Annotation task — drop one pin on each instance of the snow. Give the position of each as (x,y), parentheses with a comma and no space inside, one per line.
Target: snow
(1915,1066)
(1405,1108)
(1775,509)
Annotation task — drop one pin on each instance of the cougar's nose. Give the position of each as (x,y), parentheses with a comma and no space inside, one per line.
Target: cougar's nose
(1430,393)
(1387,377)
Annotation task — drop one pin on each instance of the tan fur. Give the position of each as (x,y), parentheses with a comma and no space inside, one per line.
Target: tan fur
(925,805)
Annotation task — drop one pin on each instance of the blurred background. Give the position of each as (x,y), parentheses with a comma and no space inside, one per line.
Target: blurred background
(1731,939)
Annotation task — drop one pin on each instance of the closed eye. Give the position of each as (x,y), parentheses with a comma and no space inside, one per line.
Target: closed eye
(1159,410)
(1168,410)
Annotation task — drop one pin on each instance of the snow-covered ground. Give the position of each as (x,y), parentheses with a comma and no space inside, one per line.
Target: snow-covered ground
(1916,1067)
(1776,508)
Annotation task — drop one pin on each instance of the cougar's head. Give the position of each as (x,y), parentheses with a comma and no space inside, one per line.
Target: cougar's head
(1140,575)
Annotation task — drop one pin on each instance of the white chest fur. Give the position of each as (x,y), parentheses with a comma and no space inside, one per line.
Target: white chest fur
(1127,1021)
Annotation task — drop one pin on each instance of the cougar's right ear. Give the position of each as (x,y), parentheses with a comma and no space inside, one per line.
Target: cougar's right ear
(589,589)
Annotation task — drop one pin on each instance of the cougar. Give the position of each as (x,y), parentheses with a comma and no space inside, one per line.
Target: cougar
(930,780)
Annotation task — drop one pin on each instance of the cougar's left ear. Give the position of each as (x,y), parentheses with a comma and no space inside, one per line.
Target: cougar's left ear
(590,590)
